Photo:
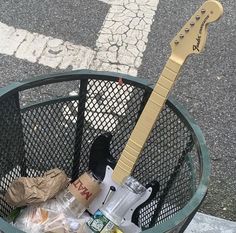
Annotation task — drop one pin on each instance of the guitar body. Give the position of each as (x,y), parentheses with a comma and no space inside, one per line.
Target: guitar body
(100,156)
(100,164)
(105,188)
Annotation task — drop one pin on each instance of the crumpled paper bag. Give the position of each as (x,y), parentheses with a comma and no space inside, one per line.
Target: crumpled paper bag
(26,190)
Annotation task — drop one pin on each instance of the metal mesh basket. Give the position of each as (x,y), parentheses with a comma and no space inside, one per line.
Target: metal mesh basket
(43,127)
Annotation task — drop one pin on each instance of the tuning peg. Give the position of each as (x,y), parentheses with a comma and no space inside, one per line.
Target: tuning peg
(176,42)
(181,36)
(203,11)
(186,29)
(197,17)
(192,24)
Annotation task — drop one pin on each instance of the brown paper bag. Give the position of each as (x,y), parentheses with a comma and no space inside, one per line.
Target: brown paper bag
(85,189)
(26,190)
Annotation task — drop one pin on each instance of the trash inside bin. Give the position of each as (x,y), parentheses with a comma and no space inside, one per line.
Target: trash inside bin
(43,127)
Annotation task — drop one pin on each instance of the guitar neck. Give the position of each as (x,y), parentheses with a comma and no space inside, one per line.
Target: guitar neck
(147,120)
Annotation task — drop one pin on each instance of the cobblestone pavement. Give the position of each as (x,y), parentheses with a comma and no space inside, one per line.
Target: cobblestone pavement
(132,36)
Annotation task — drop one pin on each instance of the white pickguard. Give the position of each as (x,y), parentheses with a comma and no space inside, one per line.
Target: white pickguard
(127,225)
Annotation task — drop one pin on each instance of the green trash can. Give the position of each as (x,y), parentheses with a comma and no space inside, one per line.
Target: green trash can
(43,127)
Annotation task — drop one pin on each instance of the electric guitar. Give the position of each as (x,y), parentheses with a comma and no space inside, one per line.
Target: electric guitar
(190,40)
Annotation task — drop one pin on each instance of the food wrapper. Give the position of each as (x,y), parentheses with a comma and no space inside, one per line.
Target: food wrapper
(64,224)
(56,225)
(48,218)
(32,219)
(26,190)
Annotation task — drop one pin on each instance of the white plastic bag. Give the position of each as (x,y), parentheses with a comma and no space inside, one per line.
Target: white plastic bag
(31,219)
(49,217)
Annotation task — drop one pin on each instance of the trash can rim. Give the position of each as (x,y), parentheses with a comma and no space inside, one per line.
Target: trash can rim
(200,193)
(67,76)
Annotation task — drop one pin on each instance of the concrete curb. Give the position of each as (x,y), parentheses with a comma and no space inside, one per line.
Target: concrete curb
(202,223)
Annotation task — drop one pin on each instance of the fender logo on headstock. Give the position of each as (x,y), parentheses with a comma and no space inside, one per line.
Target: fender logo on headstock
(198,39)
(196,47)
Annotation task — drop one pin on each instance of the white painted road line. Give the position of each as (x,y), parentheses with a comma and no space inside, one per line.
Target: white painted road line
(124,35)
(44,50)
(119,47)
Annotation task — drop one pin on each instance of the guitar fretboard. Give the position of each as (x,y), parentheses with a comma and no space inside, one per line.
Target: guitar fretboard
(190,39)
(147,120)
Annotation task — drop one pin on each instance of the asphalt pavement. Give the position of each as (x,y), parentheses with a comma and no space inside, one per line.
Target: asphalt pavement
(207,88)
(207,82)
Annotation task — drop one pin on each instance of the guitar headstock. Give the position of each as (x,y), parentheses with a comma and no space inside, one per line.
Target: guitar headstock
(192,37)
